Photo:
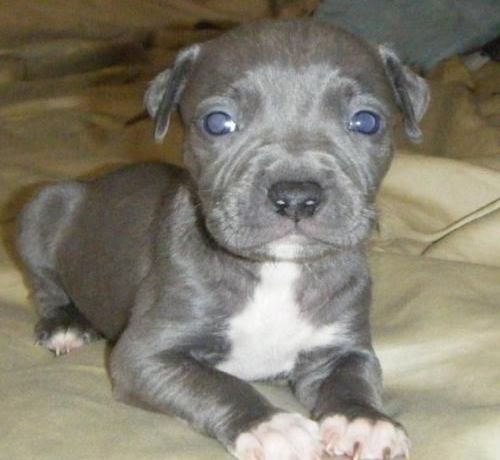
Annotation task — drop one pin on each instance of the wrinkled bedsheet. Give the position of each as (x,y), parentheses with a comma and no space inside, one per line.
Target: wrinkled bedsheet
(72,75)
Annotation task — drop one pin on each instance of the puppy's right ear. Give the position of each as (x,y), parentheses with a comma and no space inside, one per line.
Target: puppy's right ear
(165,91)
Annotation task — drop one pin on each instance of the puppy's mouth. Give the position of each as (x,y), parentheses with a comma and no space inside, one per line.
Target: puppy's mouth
(297,241)
(309,242)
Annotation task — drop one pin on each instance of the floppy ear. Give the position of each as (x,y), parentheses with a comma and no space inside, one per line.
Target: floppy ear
(411,91)
(164,92)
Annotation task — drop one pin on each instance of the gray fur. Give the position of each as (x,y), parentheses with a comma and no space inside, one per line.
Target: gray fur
(160,259)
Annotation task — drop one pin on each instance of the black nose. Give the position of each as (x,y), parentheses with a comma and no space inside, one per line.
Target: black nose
(295,200)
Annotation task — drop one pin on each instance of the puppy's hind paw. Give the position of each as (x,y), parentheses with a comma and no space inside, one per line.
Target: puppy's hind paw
(63,341)
(64,332)
(284,437)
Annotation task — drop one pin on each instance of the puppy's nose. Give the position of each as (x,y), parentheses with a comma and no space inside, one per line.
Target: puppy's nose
(295,200)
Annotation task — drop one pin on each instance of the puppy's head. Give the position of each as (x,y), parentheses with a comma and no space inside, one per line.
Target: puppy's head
(288,133)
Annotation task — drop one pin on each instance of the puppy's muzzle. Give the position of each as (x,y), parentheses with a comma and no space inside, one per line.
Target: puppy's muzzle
(295,200)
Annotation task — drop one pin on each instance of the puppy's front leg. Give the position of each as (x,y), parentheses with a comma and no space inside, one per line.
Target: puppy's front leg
(212,401)
(343,391)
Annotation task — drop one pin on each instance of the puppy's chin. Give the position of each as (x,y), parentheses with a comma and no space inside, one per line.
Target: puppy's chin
(290,248)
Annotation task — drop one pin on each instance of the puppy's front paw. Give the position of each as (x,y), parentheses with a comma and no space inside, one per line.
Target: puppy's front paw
(364,438)
(284,437)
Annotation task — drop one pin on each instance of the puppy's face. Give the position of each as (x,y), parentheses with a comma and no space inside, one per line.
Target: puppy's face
(288,137)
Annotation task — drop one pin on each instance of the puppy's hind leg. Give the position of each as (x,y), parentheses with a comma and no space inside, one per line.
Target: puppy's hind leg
(41,229)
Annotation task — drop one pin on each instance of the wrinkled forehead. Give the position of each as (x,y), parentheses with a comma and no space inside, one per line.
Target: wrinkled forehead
(299,87)
(286,63)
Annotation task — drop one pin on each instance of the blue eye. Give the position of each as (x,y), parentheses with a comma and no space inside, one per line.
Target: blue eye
(365,122)
(219,124)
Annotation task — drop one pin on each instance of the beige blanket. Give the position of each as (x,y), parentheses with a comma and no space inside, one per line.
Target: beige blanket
(72,73)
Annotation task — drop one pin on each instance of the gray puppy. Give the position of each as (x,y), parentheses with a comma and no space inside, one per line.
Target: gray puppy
(250,264)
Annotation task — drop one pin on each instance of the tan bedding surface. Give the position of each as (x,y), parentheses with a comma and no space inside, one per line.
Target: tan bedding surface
(72,73)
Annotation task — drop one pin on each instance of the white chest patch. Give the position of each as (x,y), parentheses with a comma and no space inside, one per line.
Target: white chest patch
(270,332)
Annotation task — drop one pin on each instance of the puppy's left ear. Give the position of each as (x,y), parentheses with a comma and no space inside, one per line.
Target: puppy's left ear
(411,91)
(165,91)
